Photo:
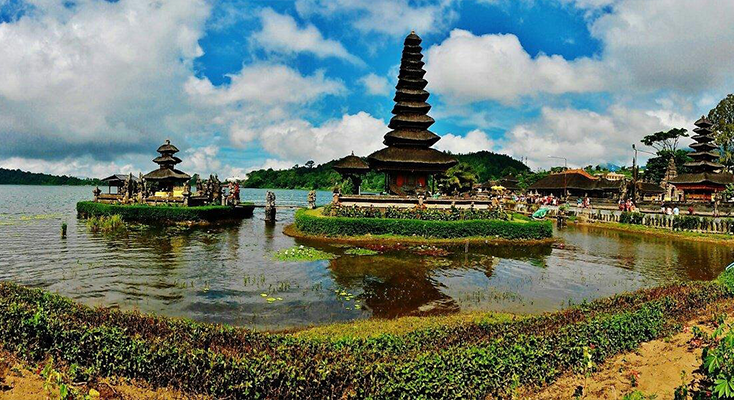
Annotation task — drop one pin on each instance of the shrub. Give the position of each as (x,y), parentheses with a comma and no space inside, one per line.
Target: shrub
(634,218)
(161,213)
(426,214)
(471,360)
(312,224)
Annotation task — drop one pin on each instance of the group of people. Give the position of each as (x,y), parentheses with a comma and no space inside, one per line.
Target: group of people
(627,205)
(667,210)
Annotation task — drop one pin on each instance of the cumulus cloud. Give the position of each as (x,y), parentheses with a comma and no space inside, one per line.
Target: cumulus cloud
(672,44)
(584,137)
(375,84)
(265,84)
(99,78)
(281,33)
(300,140)
(473,141)
(469,68)
(390,17)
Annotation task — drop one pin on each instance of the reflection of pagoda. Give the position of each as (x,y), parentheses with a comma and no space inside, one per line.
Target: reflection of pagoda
(705,177)
(408,159)
(166,177)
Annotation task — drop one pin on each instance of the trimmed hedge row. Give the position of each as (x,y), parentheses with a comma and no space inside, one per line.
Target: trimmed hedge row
(472,360)
(427,214)
(163,213)
(311,224)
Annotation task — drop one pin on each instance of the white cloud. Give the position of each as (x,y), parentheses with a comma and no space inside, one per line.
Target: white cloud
(301,141)
(280,33)
(266,85)
(473,141)
(99,77)
(585,137)
(671,44)
(469,68)
(391,17)
(71,166)
(375,84)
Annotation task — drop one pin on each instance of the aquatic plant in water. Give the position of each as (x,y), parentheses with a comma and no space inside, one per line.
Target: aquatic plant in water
(106,224)
(357,251)
(302,253)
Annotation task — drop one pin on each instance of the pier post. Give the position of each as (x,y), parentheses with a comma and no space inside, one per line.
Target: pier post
(270,207)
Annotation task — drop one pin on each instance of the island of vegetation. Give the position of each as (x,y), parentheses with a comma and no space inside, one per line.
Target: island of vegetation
(165,195)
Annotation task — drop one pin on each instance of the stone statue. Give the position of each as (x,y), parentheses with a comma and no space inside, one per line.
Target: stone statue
(312,200)
(335,199)
(96,192)
(270,207)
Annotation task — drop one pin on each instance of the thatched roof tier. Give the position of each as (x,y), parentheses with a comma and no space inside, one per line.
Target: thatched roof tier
(410,71)
(167,148)
(411,137)
(411,121)
(411,95)
(703,122)
(704,146)
(703,138)
(703,130)
(650,188)
(705,177)
(708,166)
(166,174)
(412,83)
(412,39)
(410,159)
(165,159)
(704,154)
(411,107)
(118,179)
(351,165)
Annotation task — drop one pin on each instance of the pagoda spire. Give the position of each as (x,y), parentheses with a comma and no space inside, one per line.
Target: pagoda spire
(705,156)
(410,121)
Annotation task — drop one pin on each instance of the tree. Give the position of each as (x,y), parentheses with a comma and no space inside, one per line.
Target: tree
(723,118)
(658,165)
(665,140)
(458,179)
(309,164)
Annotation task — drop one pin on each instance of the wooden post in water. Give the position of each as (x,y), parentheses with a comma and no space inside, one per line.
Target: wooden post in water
(270,207)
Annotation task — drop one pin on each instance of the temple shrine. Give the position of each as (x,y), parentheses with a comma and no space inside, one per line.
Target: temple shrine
(705,177)
(408,160)
(167,178)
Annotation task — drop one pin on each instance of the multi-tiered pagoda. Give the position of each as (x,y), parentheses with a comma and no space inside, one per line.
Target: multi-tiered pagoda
(705,176)
(167,177)
(408,160)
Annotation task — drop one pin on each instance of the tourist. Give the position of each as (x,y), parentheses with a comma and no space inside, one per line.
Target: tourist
(676,211)
(690,210)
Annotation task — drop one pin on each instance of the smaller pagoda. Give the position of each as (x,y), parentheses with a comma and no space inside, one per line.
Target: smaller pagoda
(705,176)
(167,177)
(353,168)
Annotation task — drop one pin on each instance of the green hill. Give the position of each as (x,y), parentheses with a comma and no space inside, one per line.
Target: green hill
(18,177)
(488,166)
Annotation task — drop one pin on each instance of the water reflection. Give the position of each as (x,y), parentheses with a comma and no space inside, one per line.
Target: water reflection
(219,274)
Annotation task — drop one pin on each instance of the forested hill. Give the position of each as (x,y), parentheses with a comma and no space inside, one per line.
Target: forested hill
(18,177)
(486,164)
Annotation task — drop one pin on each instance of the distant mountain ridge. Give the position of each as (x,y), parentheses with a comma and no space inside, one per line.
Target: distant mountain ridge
(18,177)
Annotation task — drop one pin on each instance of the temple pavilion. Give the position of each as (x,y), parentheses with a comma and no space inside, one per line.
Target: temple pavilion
(166,178)
(705,176)
(352,167)
(408,160)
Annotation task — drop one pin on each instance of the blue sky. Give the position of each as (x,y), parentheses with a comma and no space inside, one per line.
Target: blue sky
(92,87)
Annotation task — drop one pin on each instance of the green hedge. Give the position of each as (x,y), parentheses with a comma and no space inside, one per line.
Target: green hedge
(309,223)
(471,360)
(163,213)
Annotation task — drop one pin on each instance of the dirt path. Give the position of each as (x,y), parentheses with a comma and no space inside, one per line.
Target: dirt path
(660,366)
(18,381)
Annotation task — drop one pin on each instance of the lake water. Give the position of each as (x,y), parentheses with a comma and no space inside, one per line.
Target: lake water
(218,274)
